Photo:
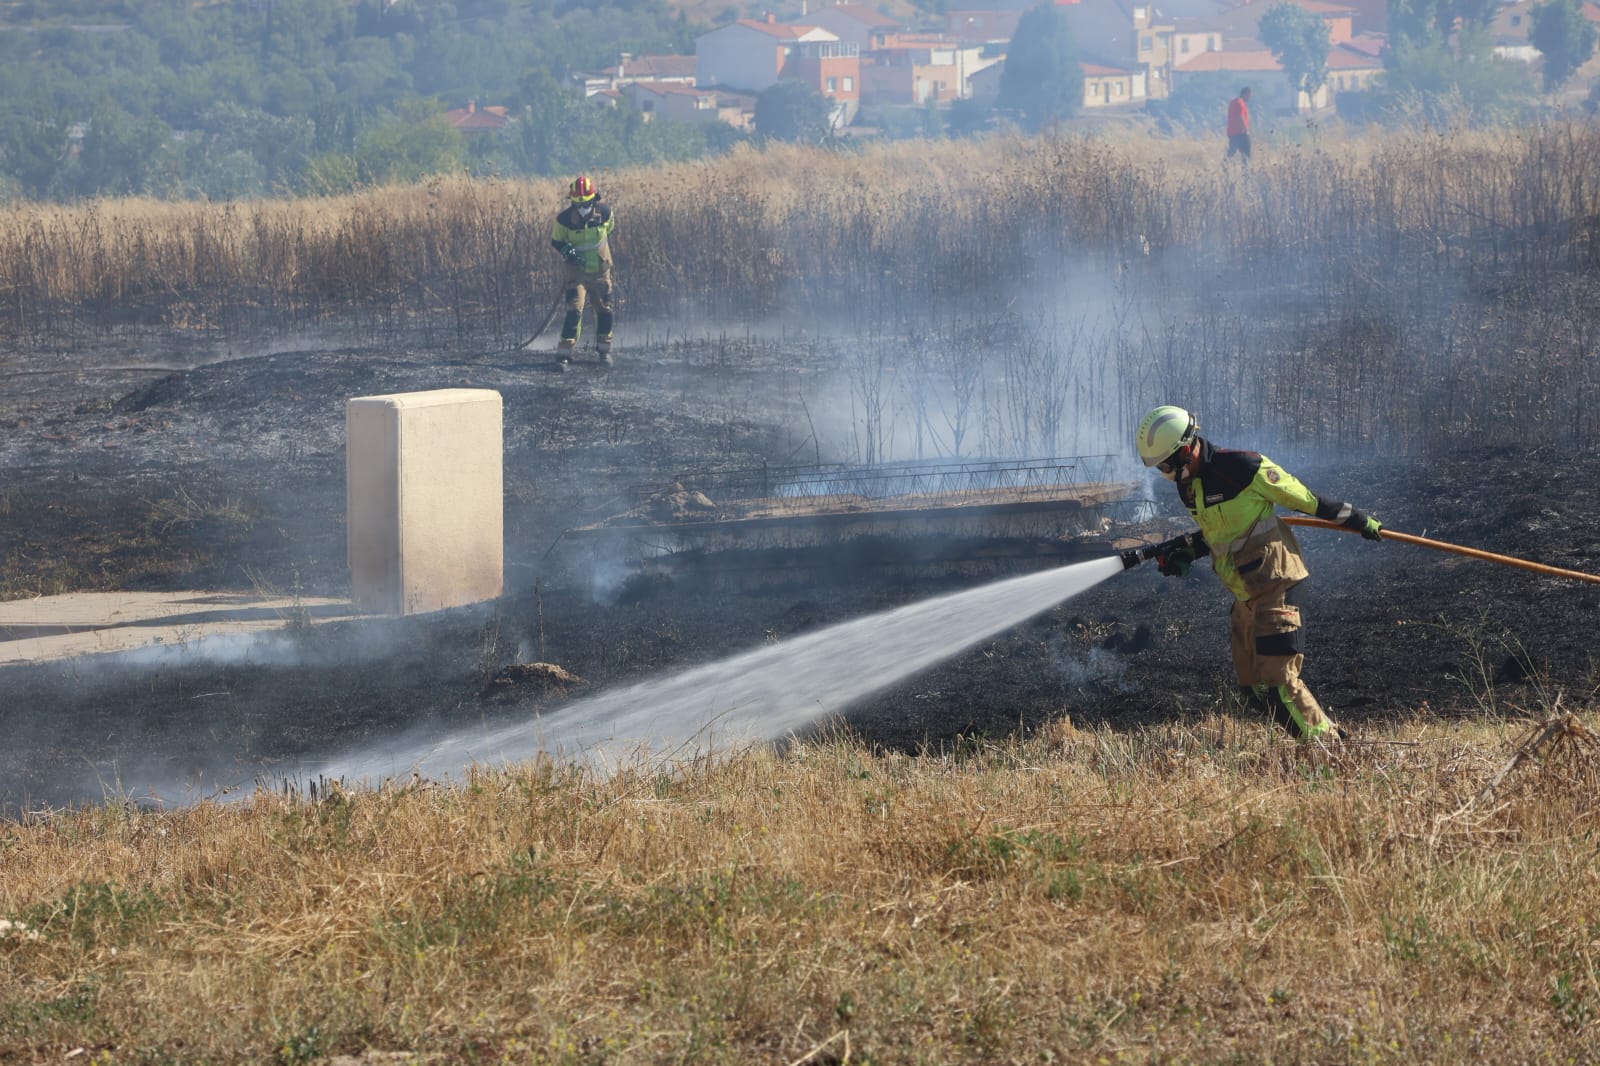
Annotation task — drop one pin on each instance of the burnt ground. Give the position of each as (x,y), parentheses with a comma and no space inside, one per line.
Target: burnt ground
(226,472)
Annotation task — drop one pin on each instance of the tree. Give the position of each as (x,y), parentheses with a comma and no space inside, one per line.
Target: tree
(115,154)
(1042,77)
(792,111)
(417,143)
(1426,22)
(1565,37)
(1299,39)
(967,118)
(1443,84)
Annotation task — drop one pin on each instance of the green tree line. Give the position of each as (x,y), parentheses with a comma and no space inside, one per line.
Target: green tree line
(174,99)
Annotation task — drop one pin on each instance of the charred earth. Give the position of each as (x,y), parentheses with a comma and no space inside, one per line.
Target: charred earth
(127,467)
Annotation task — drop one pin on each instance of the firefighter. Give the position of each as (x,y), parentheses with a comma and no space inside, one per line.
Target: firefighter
(582,235)
(1233,496)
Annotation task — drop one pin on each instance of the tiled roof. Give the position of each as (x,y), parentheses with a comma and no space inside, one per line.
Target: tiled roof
(785,32)
(473,118)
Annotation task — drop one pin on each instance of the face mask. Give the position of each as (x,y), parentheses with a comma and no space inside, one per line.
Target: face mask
(585,210)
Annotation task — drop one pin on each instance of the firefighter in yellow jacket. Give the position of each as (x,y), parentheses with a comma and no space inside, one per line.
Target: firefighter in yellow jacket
(1233,496)
(582,235)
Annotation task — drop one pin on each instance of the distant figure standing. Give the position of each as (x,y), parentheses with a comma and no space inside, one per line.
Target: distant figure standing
(582,235)
(1239,125)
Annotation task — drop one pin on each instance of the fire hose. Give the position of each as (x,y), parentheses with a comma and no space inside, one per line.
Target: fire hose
(544,324)
(1134,556)
(1458,549)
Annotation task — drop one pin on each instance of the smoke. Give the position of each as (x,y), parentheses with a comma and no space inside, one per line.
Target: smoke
(1094,669)
(176,722)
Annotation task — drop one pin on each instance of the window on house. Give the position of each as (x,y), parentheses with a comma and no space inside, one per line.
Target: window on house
(1183,45)
(833,85)
(1516,20)
(849,84)
(1144,42)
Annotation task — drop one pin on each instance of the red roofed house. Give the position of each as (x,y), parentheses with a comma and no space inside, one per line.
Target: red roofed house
(854,23)
(1227,42)
(1348,69)
(474,119)
(672,70)
(752,55)
(1256,65)
(1352,68)
(685,103)
(914,68)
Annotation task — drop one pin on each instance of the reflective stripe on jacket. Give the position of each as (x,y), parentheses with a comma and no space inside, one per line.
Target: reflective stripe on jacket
(588,235)
(1233,497)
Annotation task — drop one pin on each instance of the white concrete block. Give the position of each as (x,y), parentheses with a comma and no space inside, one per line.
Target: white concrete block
(424,499)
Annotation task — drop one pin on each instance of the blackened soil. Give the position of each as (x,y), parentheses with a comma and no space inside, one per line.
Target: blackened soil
(227,473)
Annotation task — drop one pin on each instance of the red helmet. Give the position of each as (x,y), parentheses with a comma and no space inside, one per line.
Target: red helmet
(582,189)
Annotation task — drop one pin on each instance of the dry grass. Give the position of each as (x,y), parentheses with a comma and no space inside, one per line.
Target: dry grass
(1334,277)
(1199,894)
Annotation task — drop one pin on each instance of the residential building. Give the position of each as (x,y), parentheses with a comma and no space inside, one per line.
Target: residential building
(752,55)
(474,120)
(685,103)
(1105,86)
(1351,69)
(909,68)
(985,84)
(665,69)
(1258,66)
(854,24)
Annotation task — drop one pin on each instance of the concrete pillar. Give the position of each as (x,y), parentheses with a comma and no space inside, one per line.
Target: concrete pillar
(424,499)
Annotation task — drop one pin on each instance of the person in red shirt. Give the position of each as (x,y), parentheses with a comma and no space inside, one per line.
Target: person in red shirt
(1239,125)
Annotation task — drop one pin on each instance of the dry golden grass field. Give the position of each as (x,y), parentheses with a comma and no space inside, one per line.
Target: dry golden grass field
(1069,844)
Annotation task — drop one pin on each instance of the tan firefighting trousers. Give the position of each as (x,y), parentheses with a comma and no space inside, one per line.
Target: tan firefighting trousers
(582,287)
(1265,633)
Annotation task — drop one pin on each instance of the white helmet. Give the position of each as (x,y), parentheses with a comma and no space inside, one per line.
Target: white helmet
(1163,431)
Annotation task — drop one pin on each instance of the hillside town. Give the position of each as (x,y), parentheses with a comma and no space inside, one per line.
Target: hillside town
(863,61)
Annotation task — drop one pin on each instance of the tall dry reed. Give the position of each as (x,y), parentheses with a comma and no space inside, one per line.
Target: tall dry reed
(1396,292)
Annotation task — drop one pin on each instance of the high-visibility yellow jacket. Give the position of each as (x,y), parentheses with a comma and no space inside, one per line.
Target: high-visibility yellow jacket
(590,236)
(1233,497)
